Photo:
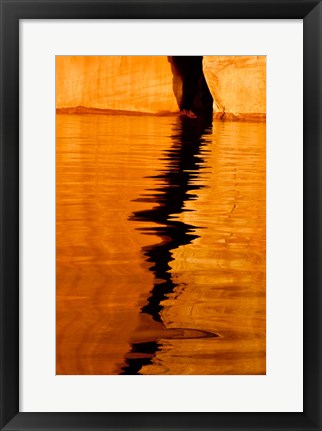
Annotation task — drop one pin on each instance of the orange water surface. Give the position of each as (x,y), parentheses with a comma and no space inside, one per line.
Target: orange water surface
(160,245)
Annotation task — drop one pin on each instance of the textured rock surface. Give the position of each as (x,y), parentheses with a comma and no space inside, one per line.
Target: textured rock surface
(237,83)
(117,82)
(146,84)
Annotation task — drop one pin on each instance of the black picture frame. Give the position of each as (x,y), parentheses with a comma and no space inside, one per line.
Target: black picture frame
(14,10)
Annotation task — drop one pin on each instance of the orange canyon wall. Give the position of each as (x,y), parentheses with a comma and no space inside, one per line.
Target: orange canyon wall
(146,84)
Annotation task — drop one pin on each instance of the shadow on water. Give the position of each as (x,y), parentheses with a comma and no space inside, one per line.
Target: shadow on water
(183,162)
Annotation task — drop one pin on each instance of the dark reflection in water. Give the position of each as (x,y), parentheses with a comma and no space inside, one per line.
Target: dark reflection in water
(183,161)
(144,296)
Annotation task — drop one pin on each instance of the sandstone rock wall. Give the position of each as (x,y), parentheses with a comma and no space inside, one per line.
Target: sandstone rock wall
(237,83)
(146,84)
(127,83)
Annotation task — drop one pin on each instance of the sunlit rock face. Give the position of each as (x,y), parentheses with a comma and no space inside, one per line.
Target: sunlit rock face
(237,84)
(148,84)
(130,83)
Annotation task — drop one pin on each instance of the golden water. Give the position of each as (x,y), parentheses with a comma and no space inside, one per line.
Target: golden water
(160,229)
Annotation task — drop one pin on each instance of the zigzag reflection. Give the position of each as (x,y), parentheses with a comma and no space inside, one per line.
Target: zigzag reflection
(183,162)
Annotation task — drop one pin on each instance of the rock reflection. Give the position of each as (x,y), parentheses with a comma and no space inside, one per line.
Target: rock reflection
(144,296)
(177,182)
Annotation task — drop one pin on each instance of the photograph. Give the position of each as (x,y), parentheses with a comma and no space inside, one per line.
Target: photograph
(161,215)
